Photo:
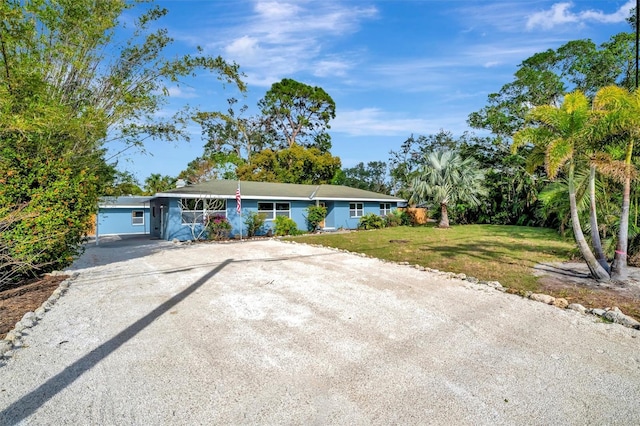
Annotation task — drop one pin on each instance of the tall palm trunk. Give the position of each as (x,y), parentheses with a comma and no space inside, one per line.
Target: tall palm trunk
(444,216)
(619,270)
(595,232)
(597,271)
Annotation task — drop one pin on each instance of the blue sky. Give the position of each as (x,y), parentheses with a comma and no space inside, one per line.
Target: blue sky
(393,67)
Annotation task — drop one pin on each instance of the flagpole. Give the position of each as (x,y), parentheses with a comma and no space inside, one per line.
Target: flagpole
(239,207)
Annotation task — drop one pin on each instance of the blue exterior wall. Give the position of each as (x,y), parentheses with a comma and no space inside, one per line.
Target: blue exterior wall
(337,216)
(117,221)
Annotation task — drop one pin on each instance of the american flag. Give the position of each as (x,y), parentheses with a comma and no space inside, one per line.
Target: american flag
(238,200)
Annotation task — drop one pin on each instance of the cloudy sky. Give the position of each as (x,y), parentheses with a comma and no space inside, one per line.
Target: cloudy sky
(393,67)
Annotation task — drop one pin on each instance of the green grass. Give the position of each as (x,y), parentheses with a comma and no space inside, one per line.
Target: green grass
(487,252)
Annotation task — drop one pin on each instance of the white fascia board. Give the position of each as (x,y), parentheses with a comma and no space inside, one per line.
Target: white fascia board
(232,196)
(381,200)
(124,206)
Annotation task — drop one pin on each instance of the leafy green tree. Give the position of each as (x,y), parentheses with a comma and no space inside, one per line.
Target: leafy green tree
(448,179)
(292,165)
(545,77)
(234,135)
(404,162)
(299,114)
(618,122)
(558,133)
(124,183)
(213,166)
(158,183)
(69,86)
(372,177)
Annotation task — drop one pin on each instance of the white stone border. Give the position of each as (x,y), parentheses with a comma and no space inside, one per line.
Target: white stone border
(13,339)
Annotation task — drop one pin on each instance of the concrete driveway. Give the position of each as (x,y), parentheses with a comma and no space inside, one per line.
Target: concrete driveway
(271,333)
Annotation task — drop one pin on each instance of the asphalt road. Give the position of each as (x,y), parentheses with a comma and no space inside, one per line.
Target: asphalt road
(271,333)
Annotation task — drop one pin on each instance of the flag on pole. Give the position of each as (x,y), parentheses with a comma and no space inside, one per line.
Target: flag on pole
(238,200)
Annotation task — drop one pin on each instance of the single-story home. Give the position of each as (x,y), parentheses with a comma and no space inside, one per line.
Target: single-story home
(126,215)
(180,212)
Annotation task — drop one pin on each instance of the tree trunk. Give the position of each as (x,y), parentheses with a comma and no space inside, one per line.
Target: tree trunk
(619,270)
(444,216)
(595,232)
(597,271)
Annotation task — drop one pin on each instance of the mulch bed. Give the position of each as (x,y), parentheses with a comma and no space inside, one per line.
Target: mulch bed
(25,297)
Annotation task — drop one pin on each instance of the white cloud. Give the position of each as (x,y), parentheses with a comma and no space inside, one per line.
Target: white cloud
(561,14)
(182,92)
(377,122)
(282,38)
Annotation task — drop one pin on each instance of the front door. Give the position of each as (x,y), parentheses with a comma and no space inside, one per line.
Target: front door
(322,224)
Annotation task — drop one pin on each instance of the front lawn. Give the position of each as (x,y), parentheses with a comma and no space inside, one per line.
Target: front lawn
(487,252)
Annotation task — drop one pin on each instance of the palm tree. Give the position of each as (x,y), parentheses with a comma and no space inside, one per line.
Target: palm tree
(618,120)
(560,132)
(158,183)
(448,179)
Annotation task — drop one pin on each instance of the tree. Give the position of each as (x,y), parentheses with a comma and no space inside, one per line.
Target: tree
(158,183)
(558,133)
(124,183)
(68,86)
(618,122)
(545,77)
(448,179)
(299,114)
(405,162)
(292,165)
(232,134)
(371,177)
(213,166)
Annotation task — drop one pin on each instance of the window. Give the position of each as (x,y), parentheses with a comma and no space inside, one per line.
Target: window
(137,217)
(385,209)
(195,210)
(271,210)
(356,209)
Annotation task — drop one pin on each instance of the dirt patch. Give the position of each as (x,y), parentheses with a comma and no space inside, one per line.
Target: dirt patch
(25,297)
(571,281)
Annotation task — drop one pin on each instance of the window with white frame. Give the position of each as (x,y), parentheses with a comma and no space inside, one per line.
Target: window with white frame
(137,217)
(195,210)
(385,209)
(356,209)
(270,210)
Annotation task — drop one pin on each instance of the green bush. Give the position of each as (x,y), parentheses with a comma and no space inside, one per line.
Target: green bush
(285,226)
(315,216)
(254,223)
(399,218)
(371,221)
(218,228)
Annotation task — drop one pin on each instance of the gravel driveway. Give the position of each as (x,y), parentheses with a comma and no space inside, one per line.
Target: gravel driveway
(271,333)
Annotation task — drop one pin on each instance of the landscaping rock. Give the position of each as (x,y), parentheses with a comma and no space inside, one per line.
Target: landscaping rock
(616,316)
(560,302)
(5,346)
(544,298)
(598,312)
(577,307)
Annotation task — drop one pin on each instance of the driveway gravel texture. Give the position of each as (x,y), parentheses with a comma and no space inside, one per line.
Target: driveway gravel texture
(267,332)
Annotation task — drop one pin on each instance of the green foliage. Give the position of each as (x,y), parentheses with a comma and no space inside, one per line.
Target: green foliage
(398,218)
(158,183)
(254,223)
(123,183)
(291,165)
(299,114)
(218,228)
(65,84)
(447,179)
(285,226)
(371,177)
(218,165)
(315,216)
(371,221)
